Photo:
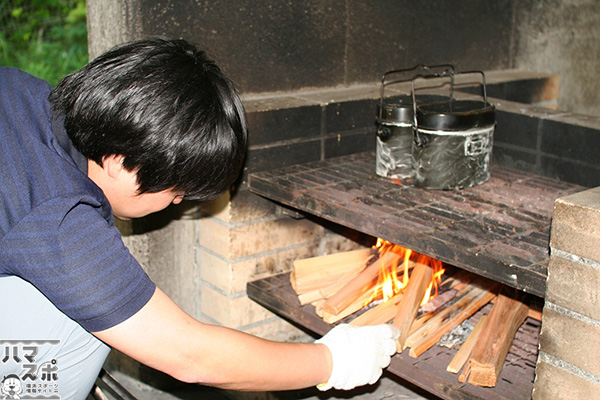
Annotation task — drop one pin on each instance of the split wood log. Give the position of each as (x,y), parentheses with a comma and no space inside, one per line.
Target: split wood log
(478,301)
(535,314)
(463,353)
(409,304)
(505,318)
(535,310)
(321,293)
(441,316)
(360,284)
(420,321)
(314,273)
(353,307)
(380,314)
(459,278)
(464,375)
(439,301)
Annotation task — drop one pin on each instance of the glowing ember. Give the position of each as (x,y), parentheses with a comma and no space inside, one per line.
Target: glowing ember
(393,277)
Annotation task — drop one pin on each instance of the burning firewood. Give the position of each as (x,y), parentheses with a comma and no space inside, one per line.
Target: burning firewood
(338,291)
(322,293)
(487,359)
(358,303)
(359,285)
(476,299)
(315,273)
(412,298)
(467,294)
(380,314)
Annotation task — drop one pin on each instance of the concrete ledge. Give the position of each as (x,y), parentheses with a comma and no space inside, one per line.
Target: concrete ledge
(576,224)
(556,383)
(571,339)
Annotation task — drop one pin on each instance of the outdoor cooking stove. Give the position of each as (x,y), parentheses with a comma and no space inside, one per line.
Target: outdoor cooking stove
(499,230)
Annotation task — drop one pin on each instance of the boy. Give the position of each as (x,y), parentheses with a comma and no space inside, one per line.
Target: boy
(139,128)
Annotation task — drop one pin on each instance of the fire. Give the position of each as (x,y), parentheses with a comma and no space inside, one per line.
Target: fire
(393,277)
(438,271)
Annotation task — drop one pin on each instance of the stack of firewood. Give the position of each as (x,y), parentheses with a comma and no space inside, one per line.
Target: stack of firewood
(339,285)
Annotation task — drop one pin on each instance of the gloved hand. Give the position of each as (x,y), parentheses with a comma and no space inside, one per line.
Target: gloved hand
(359,354)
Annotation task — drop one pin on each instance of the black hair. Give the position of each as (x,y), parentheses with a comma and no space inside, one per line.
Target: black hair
(166,108)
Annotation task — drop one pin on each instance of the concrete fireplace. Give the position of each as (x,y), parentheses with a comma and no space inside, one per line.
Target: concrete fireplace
(242,237)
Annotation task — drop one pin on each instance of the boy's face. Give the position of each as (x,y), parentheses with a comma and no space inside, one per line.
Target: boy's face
(133,205)
(121,188)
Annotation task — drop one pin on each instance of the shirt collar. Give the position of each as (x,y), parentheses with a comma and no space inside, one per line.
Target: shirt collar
(60,133)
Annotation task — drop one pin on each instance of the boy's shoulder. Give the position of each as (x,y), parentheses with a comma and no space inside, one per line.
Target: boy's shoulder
(13,78)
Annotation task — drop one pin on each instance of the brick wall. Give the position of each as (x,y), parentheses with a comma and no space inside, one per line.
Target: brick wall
(251,238)
(243,241)
(569,361)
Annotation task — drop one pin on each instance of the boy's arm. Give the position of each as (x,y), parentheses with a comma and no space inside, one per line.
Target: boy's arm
(164,337)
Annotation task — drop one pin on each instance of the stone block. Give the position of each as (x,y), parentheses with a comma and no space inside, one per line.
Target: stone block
(520,86)
(569,170)
(350,142)
(263,102)
(340,94)
(519,130)
(268,236)
(514,158)
(232,277)
(231,311)
(236,241)
(219,208)
(554,383)
(246,206)
(576,224)
(567,140)
(214,236)
(284,124)
(214,270)
(350,115)
(574,285)
(387,35)
(267,265)
(571,339)
(238,207)
(283,154)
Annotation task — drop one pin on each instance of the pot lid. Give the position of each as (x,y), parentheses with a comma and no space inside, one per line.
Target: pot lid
(455,115)
(400,109)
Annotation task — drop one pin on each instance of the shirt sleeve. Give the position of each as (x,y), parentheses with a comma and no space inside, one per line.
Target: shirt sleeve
(78,260)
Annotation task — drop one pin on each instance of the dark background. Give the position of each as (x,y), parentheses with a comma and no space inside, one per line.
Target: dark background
(284,46)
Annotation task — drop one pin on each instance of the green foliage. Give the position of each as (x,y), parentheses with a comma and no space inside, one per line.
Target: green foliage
(47,38)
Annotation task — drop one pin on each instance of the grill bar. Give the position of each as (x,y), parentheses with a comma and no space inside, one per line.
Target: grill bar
(499,230)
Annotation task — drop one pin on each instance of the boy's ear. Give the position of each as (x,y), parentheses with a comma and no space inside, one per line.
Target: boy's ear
(113,165)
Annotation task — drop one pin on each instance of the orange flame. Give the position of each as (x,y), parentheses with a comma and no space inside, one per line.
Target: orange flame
(438,271)
(388,282)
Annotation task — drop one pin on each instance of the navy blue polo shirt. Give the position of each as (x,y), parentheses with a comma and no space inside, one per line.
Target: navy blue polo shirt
(56,226)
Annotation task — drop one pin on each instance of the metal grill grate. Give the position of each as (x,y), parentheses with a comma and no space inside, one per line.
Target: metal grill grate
(499,230)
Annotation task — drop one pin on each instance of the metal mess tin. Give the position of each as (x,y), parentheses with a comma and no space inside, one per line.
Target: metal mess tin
(395,119)
(453,142)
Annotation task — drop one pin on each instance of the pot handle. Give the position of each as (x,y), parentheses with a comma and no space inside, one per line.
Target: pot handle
(483,82)
(427,70)
(420,141)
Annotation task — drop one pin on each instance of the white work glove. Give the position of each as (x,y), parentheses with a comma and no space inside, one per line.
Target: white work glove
(359,354)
